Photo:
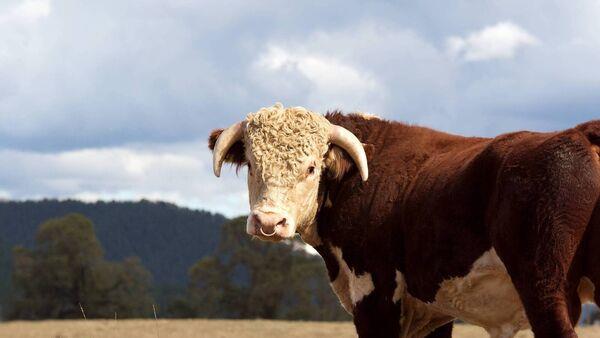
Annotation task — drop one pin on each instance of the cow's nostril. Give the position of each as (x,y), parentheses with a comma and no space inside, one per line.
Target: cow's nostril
(266,223)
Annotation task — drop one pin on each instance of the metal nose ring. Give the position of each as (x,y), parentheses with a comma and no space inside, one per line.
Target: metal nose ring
(268,235)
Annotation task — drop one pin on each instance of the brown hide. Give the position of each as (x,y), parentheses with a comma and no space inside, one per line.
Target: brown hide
(435,202)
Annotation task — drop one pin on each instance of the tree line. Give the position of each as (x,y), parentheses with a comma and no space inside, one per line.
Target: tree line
(167,238)
(66,275)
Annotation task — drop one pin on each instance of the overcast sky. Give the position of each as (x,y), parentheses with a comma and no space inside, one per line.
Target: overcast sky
(115,99)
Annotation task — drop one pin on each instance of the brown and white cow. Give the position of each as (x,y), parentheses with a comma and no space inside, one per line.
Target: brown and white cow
(503,233)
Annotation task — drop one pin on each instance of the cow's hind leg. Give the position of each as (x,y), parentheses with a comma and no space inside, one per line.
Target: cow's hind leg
(543,203)
(592,258)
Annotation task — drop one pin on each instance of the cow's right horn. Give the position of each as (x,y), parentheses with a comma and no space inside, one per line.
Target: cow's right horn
(351,144)
(227,138)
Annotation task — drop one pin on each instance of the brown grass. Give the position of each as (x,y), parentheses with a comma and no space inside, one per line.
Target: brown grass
(182,328)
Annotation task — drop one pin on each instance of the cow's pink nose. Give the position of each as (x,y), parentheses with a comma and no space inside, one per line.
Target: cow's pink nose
(266,222)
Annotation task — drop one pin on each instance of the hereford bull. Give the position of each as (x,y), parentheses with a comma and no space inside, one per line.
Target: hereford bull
(500,232)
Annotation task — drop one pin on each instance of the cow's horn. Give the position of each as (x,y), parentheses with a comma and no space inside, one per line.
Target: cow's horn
(227,138)
(351,144)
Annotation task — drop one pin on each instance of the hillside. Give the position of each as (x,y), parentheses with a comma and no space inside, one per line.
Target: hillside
(168,239)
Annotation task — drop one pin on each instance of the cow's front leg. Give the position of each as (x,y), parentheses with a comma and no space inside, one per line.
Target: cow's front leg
(377,316)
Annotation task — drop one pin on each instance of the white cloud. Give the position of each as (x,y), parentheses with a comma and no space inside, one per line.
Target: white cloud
(27,11)
(370,66)
(500,41)
(178,173)
(4,194)
(329,80)
(326,73)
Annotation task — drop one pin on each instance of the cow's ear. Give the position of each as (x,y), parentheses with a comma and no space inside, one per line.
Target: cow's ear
(235,155)
(337,163)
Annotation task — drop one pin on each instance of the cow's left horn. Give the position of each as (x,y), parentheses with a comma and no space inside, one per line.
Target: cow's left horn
(227,138)
(350,143)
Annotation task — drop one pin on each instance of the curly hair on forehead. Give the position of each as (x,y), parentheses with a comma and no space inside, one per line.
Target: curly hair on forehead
(281,139)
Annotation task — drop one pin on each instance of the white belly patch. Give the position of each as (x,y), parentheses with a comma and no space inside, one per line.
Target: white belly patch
(485,297)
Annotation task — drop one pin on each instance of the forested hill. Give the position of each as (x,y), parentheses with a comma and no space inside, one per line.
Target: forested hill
(166,238)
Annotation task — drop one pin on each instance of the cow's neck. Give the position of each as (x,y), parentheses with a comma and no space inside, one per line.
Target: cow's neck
(357,232)
(338,240)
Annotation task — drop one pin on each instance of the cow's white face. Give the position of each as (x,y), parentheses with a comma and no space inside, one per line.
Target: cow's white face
(277,210)
(286,150)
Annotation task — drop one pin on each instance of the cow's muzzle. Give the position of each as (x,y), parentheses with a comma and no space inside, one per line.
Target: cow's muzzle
(267,224)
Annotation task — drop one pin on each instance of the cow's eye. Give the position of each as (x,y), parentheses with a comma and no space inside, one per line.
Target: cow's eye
(250,168)
(311,170)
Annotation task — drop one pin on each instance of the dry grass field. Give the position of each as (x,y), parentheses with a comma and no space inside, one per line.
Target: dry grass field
(207,328)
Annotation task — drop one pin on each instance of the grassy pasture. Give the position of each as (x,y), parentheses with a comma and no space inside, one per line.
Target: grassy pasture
(208,328)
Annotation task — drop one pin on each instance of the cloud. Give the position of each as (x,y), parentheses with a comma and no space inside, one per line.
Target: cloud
(104,74)
(109,99)
(366,67)
(500,41)
(326,73)
(4,195)
(26,12)
(331,81)
(178,173)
